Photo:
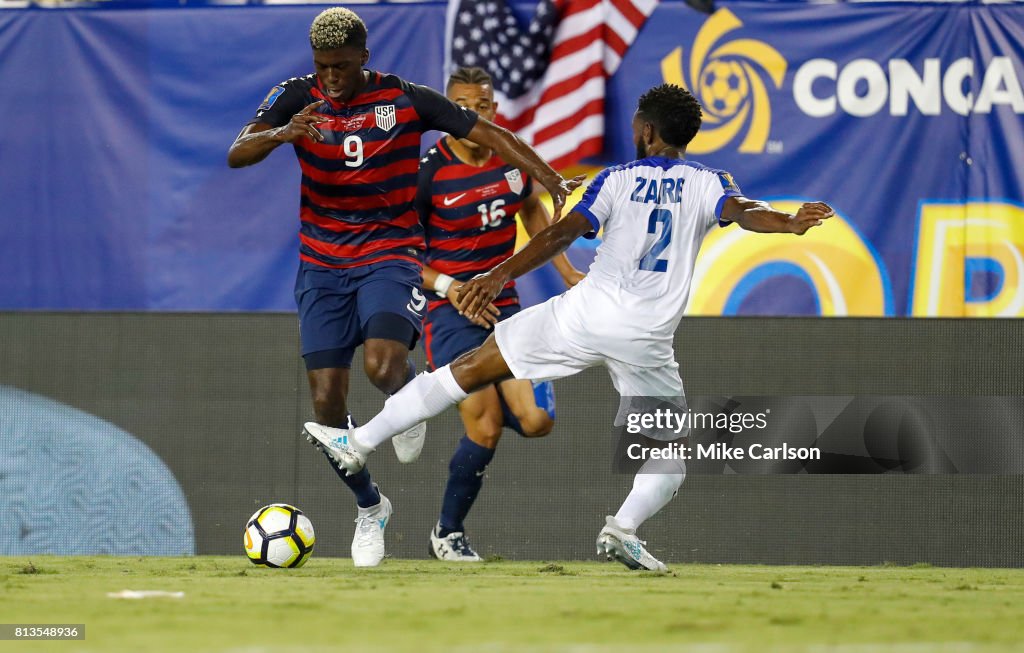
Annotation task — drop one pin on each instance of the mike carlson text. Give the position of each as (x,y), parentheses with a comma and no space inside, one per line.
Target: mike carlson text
(721,451)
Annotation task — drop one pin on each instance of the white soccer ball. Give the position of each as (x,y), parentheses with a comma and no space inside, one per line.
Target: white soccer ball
(279,535)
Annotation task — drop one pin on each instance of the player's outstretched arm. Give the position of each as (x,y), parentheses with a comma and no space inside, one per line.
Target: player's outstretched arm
(755,215)
(515,152)
(481,290)
(447,287)
(258,140)
(536,218)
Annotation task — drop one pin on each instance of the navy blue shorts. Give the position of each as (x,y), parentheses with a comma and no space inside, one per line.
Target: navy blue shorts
(449,335)
(336,305)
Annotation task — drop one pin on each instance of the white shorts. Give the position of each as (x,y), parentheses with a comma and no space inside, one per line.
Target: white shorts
(535,347)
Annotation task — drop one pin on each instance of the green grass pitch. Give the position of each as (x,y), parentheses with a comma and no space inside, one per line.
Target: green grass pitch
(232,606)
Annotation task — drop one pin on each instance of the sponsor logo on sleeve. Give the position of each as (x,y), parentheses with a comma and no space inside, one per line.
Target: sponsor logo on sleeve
(728,183)
(271,98)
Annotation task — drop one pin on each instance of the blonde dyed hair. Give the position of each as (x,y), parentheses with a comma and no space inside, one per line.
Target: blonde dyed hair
(335,28)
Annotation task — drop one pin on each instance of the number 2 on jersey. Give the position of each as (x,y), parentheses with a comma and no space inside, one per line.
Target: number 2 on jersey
(651,261)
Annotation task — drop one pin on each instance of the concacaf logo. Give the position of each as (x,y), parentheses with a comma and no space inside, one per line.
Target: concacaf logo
(723,76)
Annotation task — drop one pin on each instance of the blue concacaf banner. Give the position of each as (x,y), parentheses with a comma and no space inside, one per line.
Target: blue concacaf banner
(908,119)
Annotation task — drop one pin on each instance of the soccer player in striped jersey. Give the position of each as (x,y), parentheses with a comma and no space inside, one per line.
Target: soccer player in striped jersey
(468,199)
(653,214)
(356,133)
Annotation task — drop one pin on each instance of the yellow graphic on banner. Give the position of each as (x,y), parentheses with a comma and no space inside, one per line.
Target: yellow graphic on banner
(590,171)
(832,259)
(957,242)
(730,88)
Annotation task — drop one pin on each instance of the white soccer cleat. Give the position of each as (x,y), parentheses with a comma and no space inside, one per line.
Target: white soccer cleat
(622,544)
(339,445)
(453,547)
(368,543)
(409,444)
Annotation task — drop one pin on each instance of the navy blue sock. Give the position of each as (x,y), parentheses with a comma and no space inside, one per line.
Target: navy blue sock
(465,476)
(360,483)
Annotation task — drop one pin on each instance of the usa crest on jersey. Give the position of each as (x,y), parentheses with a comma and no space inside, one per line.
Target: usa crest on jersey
(385,117)
(515,180)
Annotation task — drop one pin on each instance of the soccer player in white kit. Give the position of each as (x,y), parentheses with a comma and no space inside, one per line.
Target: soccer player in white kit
(654,212)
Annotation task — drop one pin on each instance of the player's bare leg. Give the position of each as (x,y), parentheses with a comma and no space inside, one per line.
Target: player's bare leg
(482,366)
(386,363)
(388,367)
(481,415)
(519,394)
(329,389)
(423,397)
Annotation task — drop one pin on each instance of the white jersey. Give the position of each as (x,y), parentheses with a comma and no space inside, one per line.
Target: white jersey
(655,213)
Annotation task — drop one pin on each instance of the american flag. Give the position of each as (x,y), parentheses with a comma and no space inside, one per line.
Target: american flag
(549,79)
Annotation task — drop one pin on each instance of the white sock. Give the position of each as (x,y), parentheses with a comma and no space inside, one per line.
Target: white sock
(425,396)
(653,487)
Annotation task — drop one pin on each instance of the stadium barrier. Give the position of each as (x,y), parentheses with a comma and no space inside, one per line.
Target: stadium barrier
(218,401)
